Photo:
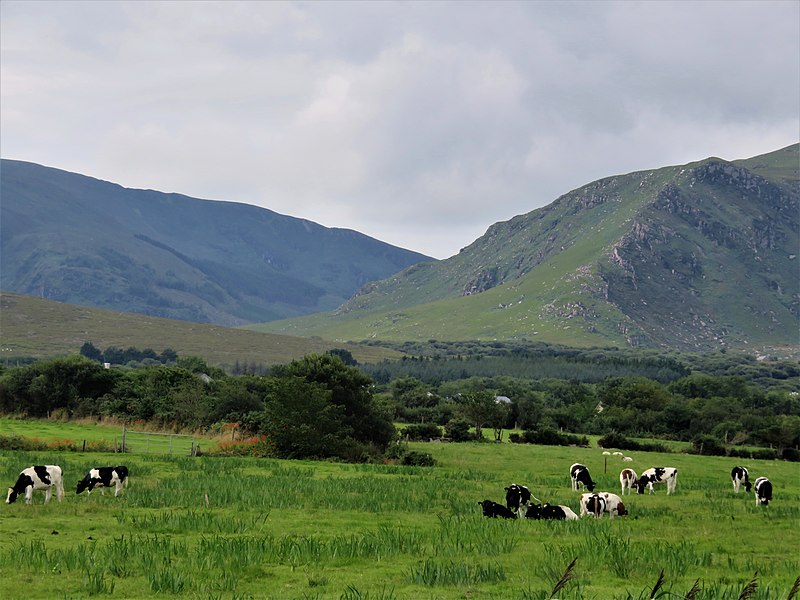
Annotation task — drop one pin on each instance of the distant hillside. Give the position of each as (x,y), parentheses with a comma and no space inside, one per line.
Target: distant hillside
(80,240)
(32,327)
(689,257)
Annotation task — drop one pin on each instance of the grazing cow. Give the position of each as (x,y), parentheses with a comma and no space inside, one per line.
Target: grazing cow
(763,488)
(517,497)
(627,477)
(668,475)
(602,502)
(592,504)
(37,478)
(599,502)
(550,511)
(580,477)
(104,477)
(494,510)
(739,475)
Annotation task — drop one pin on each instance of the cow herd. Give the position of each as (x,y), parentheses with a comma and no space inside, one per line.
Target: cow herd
(49,477)
(518,497)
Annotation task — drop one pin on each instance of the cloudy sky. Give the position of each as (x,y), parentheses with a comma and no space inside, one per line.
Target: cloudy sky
(418,123)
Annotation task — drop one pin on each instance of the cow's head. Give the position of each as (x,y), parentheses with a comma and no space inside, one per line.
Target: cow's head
(590,485)
(747,486)
(640,484)
(487,505)
(12,496)
(82,485)
(621,510)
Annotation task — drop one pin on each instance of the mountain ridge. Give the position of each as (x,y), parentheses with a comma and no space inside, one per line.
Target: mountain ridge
(667,257)
(79,239)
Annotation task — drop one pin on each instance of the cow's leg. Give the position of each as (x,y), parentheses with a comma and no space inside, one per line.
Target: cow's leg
(48,493)
(119,488)
(28,494)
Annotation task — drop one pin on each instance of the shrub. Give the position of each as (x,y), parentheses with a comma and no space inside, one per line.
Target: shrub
(707,445)
(791,454)
(615,440)
(419,459)
(458,431)
(550,437)
(423,432)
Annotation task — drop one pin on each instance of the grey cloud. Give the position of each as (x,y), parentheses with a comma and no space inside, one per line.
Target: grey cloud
(417,123)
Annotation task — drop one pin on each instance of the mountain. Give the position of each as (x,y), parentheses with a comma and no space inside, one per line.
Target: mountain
(76,239)
(691,257)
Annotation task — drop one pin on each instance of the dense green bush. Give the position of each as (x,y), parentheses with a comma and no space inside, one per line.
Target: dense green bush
(418,459)
(549,437)
(422,432)
(458,431)
(707,445)
(615,440)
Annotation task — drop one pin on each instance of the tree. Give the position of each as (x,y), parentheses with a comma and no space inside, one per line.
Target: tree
(91,352)
(350,389)
(478,408)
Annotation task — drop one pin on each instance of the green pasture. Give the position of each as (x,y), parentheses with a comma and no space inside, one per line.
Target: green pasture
(60,430)
(257,528)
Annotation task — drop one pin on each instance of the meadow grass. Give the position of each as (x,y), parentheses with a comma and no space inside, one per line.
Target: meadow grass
(211,527)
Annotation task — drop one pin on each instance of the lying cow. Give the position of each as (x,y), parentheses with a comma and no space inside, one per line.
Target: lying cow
(668,475)
(104,477)
(517,497)
(580,477)
(627,477)
(494,510)
(602,502)
(37,478)
(550,511)
(763,488)
(739,476)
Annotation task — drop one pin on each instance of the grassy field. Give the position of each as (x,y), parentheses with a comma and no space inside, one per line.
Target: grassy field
(257,528)
(43,329)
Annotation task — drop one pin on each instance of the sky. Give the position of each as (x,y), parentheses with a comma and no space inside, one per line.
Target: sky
(416,123)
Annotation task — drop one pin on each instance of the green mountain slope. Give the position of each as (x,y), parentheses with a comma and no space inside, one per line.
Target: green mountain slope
(32,327)
(76,239)
(689,257)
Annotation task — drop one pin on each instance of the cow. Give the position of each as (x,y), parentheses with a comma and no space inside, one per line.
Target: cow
(601,502)
(627,477)
(739,475)
(104,477)
(44,478)
(627,459)
(580,477)
(668,475)
(763,489)
(494,510)
(517,497)
(592,504)
(550,511)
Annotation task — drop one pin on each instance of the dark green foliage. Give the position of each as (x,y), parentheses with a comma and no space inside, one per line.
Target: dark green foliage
(419,459)
(549,437)
(617,441)
(707,445)
(422,432)
(458,431)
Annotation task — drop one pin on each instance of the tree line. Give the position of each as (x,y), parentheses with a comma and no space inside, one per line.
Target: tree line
(327,405)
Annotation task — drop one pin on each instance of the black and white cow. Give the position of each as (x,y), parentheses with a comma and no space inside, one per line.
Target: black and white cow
(517,497)
(550,511)
(580,477)
(602,502)
(494,510)
(44,478)
(739,475)
(104,477)
(763,489)
(668,475)
(627,477)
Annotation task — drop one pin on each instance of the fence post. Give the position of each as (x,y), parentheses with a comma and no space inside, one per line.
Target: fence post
(123,439)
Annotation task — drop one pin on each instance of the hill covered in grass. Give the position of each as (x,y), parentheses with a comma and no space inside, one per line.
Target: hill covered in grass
(690,257)
(32,327)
